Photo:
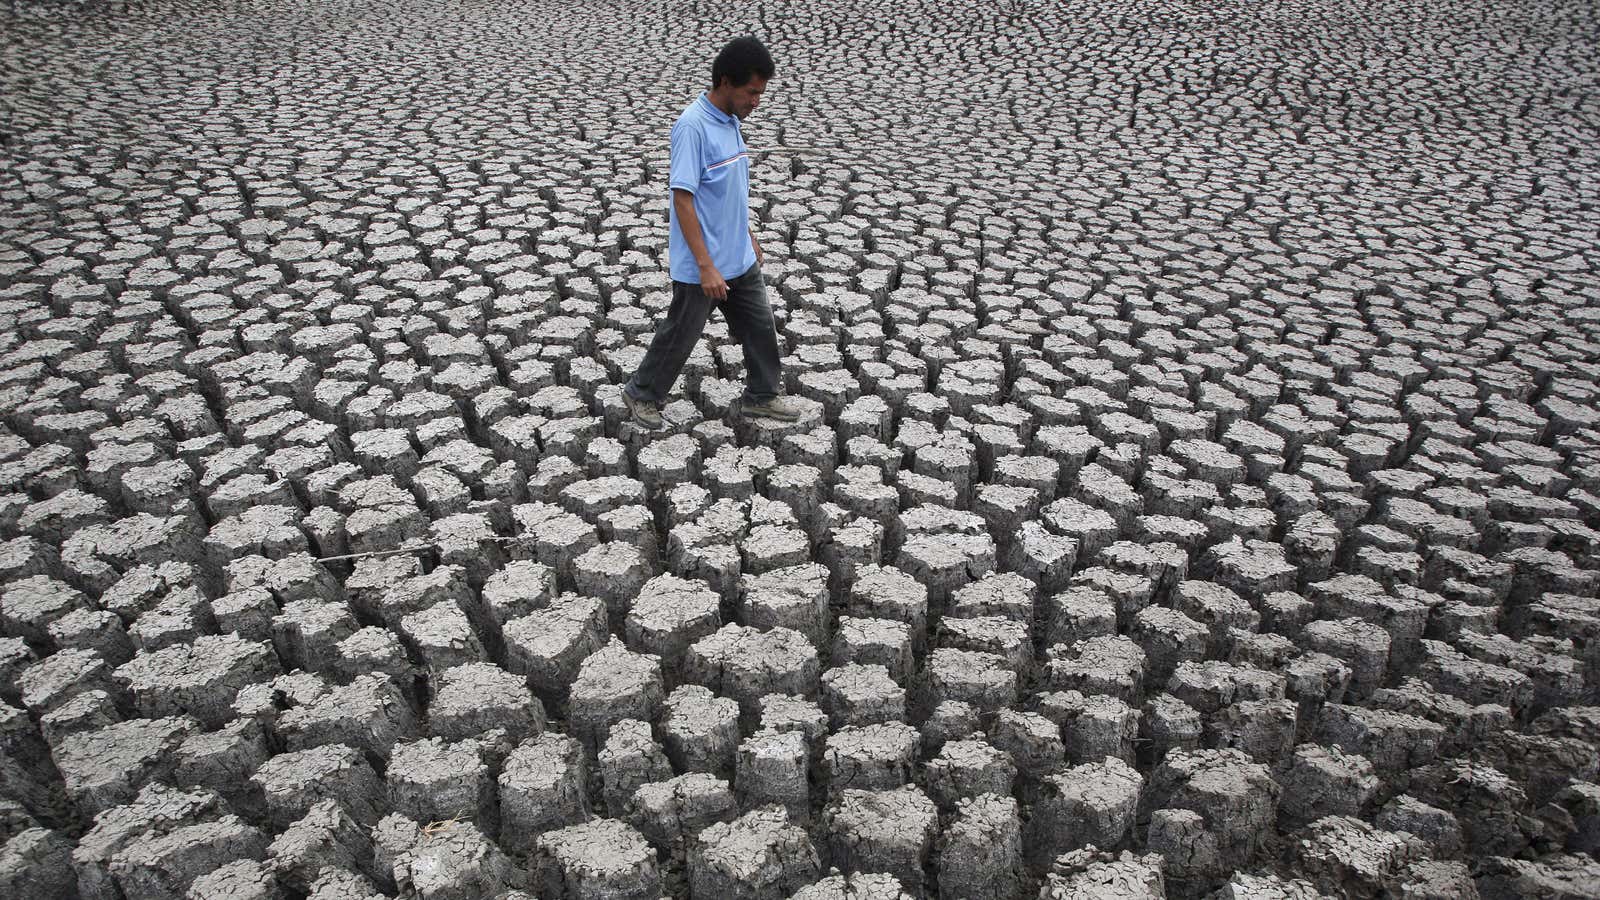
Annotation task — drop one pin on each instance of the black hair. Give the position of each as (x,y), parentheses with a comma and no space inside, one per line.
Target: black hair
(741,59)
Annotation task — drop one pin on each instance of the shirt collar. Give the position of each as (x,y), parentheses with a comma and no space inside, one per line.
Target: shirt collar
(717,114)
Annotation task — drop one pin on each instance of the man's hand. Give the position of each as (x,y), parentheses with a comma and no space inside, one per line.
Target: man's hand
(712,282)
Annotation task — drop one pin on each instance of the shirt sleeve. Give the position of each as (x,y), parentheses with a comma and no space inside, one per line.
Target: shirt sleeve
(685,159)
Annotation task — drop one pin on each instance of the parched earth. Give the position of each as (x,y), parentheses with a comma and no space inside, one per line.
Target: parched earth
(1198,493)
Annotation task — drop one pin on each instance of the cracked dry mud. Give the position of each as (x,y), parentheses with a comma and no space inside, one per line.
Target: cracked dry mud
(1197,492)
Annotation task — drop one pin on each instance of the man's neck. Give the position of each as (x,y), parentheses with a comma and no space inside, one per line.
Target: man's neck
(721,101)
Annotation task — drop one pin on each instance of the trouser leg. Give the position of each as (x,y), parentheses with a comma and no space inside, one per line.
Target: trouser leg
(674,340)
(750,320)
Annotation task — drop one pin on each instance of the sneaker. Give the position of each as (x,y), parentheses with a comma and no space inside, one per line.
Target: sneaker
(775,409)
(643,411)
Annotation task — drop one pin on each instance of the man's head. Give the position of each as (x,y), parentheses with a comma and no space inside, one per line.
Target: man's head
(739,76)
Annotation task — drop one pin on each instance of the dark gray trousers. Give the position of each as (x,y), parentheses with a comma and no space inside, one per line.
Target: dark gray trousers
(749,320)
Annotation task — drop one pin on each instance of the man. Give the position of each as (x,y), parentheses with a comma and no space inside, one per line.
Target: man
(714,256)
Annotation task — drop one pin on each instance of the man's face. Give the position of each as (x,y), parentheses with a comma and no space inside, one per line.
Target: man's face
(746,97)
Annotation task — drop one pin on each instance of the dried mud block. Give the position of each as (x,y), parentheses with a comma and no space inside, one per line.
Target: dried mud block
(889,831)
(759,856)
(244,879)
(442,637)
(1285,613)
(1244,886)
(969,676)
(788,712)
(1545,765)
(293,782)
(444,585)
(391,838)
(1211,811)
(369,713)
(166,864)
(26,556)
(980,850)
(1078,613)
(1168,638)
(701,731)
(613,572)
(1473,681)
(746,664)
(1094,873)
(1089,805)
(870,757)
(1342,854)
(15,658)
(517,589)
(772,767)
(295,577)
(1432,878)
(325,838)
(454,862)
(57,678)
(671,813)
(84,712)
(338,884)
(37,862)
(1039,555)
(604,858)
(1092,727)
(247,613)
(793,597)
(548,645)
(29,606)
(965,768)
(373,650)
(199,679)
(1252,569)
(106,767)
(1033,741)
(96,557)
(1324,782)
(614,684)
(1004,637)
(543,786)
(854,886)
(1264,729)
(223,761)
(669,615)
(1213,686)
(178,618)
(156,809)
(1393,741)
(1111,664)
(434,780)
(473,698)
(946,562)
(630,758)
(1220,610)
(1492,808)
(270,531)
(1558,877)
(884,592)
(845,549)
(1438,828)
(862,695)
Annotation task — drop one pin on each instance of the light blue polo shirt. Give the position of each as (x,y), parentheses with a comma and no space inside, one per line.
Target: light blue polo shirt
(709,159)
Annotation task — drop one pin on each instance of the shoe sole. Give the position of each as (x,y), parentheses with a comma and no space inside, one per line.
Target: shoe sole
(754,414)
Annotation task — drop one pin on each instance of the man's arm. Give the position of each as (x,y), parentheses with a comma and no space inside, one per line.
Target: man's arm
(760,257)
(711,281)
